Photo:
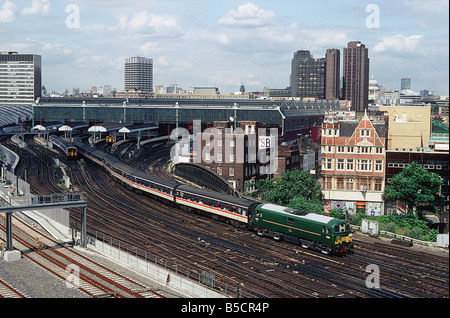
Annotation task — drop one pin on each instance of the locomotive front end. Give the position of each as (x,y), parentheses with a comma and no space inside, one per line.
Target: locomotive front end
(343,244)
(343,238)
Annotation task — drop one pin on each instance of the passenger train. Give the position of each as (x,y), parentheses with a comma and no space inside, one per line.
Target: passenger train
(310,230)
(69,149)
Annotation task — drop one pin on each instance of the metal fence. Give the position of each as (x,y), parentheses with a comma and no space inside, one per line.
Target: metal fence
(159,266)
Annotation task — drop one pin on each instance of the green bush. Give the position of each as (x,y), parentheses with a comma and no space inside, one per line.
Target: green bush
(356,219)
(408,225)
(430,235)
(416,233)
(390,227)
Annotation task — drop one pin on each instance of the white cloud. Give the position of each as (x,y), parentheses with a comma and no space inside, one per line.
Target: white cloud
(398,43)
(37,7)
(247,15)
(149,49)
(144,20)
(8,12)
(425,8)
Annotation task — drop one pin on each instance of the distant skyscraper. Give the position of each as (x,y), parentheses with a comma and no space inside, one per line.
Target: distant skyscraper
(139,74)
(356,75)
(307,76)
(405,83)
(20,78)
(332,73)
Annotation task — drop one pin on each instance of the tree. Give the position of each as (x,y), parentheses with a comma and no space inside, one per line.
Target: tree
(416,187)
(295,189)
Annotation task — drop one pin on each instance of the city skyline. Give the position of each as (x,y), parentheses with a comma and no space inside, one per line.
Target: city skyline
(224,43)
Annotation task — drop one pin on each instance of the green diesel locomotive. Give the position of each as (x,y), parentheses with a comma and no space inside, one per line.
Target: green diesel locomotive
(323,233)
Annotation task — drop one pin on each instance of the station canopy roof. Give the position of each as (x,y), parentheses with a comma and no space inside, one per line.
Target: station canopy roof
(137,127)
(106,127)
(72,126)
(47,126)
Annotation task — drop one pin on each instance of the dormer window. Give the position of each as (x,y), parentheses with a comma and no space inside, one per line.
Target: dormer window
(365,132)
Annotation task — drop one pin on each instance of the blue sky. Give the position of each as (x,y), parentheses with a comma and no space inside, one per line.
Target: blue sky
(225,43)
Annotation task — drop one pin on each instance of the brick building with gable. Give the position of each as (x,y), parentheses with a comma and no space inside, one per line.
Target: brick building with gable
(353,161)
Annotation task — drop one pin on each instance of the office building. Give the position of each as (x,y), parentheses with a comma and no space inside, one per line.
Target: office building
(332,72)
(405,83)
(307,76)
(409,126)
(139,74)
(356,75)
(20,78)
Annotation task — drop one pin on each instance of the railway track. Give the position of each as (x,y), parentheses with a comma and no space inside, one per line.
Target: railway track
(355,286)
(75,268)
(260,267)
(8,291)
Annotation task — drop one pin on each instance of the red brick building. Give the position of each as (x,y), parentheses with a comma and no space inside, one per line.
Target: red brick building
(353,161)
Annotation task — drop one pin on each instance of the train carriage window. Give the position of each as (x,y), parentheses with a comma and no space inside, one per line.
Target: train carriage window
(290,221)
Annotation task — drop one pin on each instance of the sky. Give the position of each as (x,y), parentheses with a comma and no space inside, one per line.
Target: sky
(224,44)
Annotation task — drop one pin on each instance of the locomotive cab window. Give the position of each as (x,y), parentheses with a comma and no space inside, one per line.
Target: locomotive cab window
(290,221)
(340,228)
(326,230)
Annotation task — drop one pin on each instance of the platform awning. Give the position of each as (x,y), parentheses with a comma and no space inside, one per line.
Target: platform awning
(106,127)
(47,126)
(73,126)
(137,128)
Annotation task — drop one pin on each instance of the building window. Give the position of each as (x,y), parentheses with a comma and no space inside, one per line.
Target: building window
(329,164)
(340,183)
(364,165)
(219,171)
(378,184)
(231,171)
(379,150)
(378,165)
(350,149)
(340,164)
(350,164)
(349,184)
(365,132)
(363,185)
(340,149)
(364,149)
(326,183)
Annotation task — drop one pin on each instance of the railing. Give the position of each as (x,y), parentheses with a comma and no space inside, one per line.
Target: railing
(200,282)
(404,238)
